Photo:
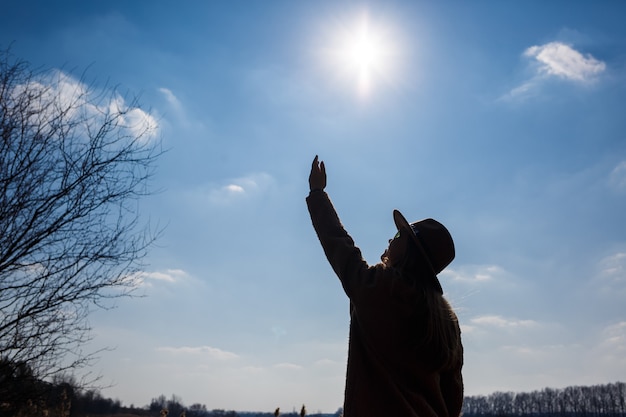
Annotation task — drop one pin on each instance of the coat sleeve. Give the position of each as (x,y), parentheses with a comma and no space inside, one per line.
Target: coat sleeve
(342,254)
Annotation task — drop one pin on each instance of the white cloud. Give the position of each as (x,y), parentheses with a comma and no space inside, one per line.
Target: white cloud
(612,274)
(499,321)
(212,352)
(327,362)
(239,188)
(234,188)
(142,125)
(58,90)
(561,60)
(288,366)
(556,60)
(169,275)
(473,274)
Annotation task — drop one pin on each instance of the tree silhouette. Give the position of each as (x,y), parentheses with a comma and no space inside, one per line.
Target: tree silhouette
(73,164)
(575,401)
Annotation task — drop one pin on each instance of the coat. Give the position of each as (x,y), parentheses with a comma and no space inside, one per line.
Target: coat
(387,374)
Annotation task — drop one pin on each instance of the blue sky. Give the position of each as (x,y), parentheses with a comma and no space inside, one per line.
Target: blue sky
(503,120)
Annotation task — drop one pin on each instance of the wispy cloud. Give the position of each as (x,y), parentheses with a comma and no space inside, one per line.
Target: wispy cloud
(617,179)
(611,349)
(613,265)
(169,275)
(612,274)
(474,274)
(561,60)
(278,332)
(212,352)
(252,369)
(327,362)
(178,111)
(502,322)
(288,366)
(615,338)
(173,101)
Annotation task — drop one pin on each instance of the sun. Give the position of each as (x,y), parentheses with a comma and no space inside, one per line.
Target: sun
(364,51)
(363,54)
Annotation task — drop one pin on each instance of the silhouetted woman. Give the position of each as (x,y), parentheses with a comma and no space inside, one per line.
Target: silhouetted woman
(405,353)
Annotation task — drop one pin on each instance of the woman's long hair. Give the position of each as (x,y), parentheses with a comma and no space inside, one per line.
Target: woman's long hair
(441,336)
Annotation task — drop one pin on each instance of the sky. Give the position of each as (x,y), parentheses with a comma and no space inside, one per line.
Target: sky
(503,120)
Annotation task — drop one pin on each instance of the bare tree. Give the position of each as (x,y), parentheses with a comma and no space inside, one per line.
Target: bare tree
(73,164)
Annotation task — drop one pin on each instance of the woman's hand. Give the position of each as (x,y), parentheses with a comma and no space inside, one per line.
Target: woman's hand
(317,177)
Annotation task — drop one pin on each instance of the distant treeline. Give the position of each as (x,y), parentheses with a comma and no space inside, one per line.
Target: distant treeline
(575,401)
(608,400)
(23,395)
(175,408)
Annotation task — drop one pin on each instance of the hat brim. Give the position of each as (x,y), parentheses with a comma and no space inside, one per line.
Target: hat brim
(403,224)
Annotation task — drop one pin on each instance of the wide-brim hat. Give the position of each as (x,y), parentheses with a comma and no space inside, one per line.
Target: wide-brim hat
(434,242)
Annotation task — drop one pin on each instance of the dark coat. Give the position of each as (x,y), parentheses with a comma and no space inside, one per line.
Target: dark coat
(388,374)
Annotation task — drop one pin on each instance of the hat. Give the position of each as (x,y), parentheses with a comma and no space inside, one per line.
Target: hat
(433,240)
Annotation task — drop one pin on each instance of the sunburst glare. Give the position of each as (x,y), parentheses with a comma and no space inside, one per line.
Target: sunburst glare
(364,54)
